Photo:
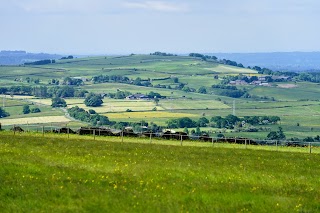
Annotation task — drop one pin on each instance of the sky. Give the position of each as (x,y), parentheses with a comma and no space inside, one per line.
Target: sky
(145,26)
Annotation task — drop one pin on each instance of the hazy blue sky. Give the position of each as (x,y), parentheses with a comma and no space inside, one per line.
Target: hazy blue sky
(143,26)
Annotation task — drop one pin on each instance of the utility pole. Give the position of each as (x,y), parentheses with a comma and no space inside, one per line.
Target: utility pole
(234,108)
(3,100)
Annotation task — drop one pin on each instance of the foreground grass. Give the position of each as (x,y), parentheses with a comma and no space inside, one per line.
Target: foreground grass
(51,174)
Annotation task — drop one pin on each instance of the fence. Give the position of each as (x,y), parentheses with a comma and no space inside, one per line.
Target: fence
(180,138)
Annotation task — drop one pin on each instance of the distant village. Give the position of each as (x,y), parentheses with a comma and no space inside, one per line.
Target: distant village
(262,80)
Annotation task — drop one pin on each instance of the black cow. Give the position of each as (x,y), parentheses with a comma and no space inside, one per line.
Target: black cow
(64,130)
(17,129)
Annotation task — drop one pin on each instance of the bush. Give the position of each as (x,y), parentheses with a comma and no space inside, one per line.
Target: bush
(58,102)
(3,113)
(92,112)
(35,110)
(93,100)
(82,115)
(26,109)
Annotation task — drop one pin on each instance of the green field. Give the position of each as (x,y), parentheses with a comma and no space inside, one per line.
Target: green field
(54,174)
(294,102)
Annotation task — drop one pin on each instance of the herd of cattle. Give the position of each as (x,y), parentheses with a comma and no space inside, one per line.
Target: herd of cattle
(168,135)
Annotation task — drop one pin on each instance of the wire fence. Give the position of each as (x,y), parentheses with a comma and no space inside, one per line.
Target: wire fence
(178,138)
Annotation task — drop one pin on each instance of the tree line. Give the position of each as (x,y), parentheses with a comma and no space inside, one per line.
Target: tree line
(162,54)
(44,92)
(89,116)
(41,62)
(228,122)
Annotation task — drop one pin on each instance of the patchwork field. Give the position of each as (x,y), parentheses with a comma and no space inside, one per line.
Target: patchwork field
(231,70)
(192,104)
(296,103)
(35,120)
(157,117)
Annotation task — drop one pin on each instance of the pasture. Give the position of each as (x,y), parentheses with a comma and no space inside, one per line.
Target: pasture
(295,102)
(158,117)
(35,120)
(55,174)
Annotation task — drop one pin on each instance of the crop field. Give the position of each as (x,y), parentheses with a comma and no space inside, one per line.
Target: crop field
(231,70)
(44,101)
(80,175)
(196,104)
(19,97)
(154,116)
(35,120)
(301,91)
(119,106)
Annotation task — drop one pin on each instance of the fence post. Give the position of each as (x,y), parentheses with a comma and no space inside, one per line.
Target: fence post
(43,131)
(27,126)
(212,141)
(310,149)
(68,131)
(151,137)
(181,140)
(245,143)
(94,134)
(122,136)
(277,145)
(14,129)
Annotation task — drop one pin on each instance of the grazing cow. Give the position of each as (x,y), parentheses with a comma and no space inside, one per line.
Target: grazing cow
(64,130)
(175,135)
(205,137)
(17,129)
(296,144)
(237,141)
(129,132)
(244,141)
(95,130)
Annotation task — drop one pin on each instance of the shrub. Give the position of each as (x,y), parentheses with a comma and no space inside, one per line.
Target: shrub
(93,100)
(35,110)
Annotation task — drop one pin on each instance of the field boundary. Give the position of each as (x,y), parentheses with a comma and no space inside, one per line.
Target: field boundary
(162,138)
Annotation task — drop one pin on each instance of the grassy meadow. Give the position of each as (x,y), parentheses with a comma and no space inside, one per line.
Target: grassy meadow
(56,174)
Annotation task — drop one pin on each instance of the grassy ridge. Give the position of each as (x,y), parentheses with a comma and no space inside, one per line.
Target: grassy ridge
(49,174)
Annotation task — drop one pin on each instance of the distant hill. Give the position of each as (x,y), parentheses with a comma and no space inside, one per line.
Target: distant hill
(278,61)
(20,57)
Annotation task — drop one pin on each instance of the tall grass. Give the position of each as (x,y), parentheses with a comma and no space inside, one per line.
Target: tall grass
(79,174)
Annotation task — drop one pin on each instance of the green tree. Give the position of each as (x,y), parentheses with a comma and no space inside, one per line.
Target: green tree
(91,111)
(175,80)
(202,90)
(93,100)
(58,102)
(26,109)
(203,121)
(198,131)
(137,81)
(276,135)
(3,113)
